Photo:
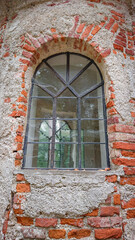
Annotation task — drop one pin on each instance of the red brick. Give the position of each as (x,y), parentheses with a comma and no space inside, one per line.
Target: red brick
(41,40)
(110,104)
(112,178)
(112,111)
(115,17)
(123,145)
(20,177)
(32,233)
(117,14)
(24,93)
(94,213)
(115,28)
(86,31)
(7,100)
(72,222)
(108,233)
(122,128)
(129,52)
(46,222)
(17,114)
(132,114)
(112,120)
(34,41)
(21,106)
(82,233)
(106,53)
(126,162)
(128,154)
(17,163)
(24,61)
(5,226)
(129,204)
(102,222)
(118,47)
(29,48)
(25,221)
(108,26)
(129,171)
(80,28)
(109,211)
(127,180)
(60,233)
(22,99)
(131,213)
(27,54)
(112,96)
(74,27)
(116,199)
(120,38)
(96,1)
(96,29)
(18,198)
(6,54)
(108,200)
(19,139)
(23,187)
(120,43)
(18,211)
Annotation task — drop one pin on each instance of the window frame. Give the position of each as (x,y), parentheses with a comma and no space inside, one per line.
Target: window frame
(101,84)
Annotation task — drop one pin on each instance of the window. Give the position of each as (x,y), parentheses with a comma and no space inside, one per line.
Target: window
(67,118)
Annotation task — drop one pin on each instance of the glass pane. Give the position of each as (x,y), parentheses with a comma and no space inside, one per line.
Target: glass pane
(93,131)
(95,93)
(93,156)
(66,156)
(66,131)
(46,78)
(66,108)
(87,80)
(77,63)
(92,108)
(38,155)
(67,93)
(41,108)
(40,130)
(59,64)
(38,92)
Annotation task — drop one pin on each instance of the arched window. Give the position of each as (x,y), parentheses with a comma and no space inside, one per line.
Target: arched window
(67,118)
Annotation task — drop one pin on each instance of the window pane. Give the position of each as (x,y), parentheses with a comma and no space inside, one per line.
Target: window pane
(46,78)
(66,131)
(92,108)
(41,108)
(59,64)
(93,156)
(67,93)
(87,80)
(66,156)
(66,108)
(38,155)
(96,93)
(40,130)
(38,92)
(77,63)
(93,131)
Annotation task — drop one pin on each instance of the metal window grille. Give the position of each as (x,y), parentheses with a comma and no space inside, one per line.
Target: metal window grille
(66,127)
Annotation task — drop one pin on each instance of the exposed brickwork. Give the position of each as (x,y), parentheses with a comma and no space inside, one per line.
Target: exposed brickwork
(107,218)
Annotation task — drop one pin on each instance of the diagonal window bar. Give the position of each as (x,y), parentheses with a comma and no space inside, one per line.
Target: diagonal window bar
(57,75)
(91,89)
(83,70)
(44,88)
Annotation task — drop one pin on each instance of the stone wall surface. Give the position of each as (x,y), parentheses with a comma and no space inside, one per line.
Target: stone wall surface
(40,204)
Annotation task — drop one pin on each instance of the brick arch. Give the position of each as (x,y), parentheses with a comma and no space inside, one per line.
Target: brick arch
(34,50)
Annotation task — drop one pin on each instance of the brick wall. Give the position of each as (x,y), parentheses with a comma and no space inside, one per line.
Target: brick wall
(110,218)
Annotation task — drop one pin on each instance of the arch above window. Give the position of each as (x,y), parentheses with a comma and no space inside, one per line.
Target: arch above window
(66,126)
